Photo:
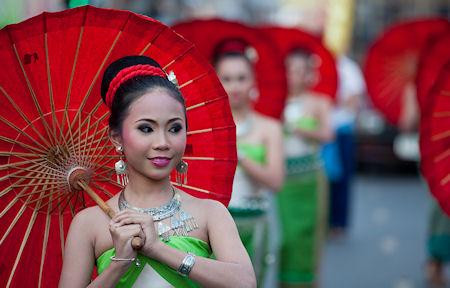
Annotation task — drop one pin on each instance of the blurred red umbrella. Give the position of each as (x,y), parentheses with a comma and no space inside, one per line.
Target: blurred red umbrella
(435,139)
(269,68)
(52,121)
(392,61)
(289,39)
(433,58)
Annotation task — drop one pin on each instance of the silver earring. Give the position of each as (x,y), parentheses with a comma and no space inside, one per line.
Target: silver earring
(181,175)
(121,169)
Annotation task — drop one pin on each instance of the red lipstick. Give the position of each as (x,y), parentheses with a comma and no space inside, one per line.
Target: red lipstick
(160,162)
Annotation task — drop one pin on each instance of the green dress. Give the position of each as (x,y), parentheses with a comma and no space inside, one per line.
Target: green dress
(301,203)
(439,235)
(248,206)
(135,275)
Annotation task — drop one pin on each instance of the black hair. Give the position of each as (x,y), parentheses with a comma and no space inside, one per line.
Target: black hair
(300,51)
(133,88)
(230,48)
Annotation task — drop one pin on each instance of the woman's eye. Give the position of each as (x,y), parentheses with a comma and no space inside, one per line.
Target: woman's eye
(242,78)
(175,128)
(145,129)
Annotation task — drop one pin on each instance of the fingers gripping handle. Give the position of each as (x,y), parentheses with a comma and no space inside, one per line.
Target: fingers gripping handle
(137,241)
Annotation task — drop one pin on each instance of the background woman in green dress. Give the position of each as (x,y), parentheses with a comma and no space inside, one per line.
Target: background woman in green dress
(259,141)
(302,200)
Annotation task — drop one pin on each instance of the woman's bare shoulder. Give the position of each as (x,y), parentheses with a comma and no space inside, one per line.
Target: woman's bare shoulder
(267,122)
(88,219)
(206,206)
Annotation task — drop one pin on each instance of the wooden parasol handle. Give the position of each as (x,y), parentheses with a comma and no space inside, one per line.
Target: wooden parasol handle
(137,241)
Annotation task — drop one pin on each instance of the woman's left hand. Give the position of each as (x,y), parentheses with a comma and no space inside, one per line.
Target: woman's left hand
(147,225)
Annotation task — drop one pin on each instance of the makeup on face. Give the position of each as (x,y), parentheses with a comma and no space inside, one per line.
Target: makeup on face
(154,134)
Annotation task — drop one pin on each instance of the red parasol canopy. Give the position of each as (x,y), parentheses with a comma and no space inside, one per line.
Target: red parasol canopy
(435,139)
(52,119)
(392,62)
(433,58)
(289,39)
(270,73)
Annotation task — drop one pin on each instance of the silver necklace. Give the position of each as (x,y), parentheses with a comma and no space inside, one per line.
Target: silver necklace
(158,213)
(181,222)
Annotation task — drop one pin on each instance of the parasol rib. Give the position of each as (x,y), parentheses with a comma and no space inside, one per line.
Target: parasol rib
(76,133)
(207,130)
(445,180)
(152,41)
(178,57)
(106,192)
(24,117)
(189,82)
(18,215)
(17,172)
(14,165)
(22,246)
(192,107)
(88,93)
(44,244)
(21,144)
(69,89)
(50,135)
(193,188)
(442,156)
(441,114)
(55,123)
(92,135)
(21,131)
(440,136)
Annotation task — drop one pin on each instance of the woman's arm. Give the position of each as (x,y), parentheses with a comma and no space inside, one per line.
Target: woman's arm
(325,132)
(232,267)
(270,174)
(79,256)
(78,253)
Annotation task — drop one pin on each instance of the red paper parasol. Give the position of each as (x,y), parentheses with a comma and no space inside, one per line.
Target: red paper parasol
(435,139)
(432,59)
(392,62)
(52,119)
(289,39)
(270,73)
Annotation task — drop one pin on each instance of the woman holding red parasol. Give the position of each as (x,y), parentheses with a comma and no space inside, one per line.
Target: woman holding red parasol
(55,144)
(148,125)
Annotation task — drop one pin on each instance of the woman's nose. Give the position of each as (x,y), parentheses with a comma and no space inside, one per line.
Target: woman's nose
(161,142)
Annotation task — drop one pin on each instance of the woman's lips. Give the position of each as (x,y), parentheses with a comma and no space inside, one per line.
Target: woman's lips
(160,161)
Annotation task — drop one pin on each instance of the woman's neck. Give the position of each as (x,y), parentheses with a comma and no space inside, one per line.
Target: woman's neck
(241,113)
(144,192)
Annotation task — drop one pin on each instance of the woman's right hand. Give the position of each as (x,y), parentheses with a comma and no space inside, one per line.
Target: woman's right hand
(122,234)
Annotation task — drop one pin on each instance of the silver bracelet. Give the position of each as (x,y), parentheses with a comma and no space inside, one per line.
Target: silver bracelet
(134,259)
(187,264)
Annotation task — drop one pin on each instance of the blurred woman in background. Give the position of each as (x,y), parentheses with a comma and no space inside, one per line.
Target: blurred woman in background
(259,141)
(302,201)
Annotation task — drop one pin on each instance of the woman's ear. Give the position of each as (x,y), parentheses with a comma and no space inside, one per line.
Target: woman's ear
(254,94)
(115,138)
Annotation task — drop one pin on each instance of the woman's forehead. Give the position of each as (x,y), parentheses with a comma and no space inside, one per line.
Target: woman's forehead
(157,103)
